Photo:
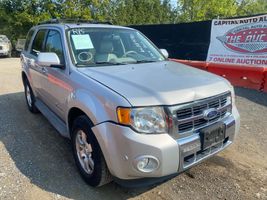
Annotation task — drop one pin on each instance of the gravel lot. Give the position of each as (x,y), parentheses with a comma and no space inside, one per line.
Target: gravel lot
(36,163)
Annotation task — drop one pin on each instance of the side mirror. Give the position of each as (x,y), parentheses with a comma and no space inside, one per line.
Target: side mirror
(165,53)
(49,60)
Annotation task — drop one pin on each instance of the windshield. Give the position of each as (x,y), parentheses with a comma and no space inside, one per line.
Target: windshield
(110,46)
(3,38)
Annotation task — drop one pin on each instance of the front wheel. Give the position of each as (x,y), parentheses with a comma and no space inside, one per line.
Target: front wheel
(87,153)
(9,54)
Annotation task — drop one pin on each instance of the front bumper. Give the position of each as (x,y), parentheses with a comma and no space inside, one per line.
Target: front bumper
(4,52)
(190,147)
(121,146)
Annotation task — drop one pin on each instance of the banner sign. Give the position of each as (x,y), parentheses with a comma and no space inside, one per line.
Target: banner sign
(239,41)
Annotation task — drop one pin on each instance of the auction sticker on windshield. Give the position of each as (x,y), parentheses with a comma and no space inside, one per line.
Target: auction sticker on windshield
(82,42)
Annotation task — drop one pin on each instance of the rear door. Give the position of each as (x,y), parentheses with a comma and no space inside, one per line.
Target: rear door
(25,56)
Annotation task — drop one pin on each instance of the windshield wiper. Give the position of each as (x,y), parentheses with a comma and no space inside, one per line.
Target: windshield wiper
(100,63)
(146,61)
(110,63)
(116,63)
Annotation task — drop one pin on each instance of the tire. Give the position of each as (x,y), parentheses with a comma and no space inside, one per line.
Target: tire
(87,150)
(29,96)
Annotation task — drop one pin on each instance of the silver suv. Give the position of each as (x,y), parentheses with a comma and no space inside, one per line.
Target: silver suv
(131,114)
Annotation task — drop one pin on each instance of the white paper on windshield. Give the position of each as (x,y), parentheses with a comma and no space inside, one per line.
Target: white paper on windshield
(82,42)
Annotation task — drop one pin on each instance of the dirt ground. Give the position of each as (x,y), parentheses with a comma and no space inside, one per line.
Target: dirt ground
(36,163)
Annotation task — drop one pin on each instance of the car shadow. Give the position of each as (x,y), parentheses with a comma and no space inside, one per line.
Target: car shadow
(252,95)
(45,157)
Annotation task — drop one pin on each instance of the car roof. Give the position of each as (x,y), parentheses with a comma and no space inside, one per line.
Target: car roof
(95,26)
(82,25)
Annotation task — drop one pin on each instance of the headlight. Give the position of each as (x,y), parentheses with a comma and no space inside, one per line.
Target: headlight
(144,120)
(232,95)
(5,46)
(229,100)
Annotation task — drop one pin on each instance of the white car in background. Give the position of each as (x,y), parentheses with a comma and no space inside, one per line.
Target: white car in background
(5,46)
(19,46)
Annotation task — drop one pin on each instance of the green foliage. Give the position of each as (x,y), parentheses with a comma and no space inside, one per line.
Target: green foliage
(197,10)
(17,16)
(251,7)
(142,12)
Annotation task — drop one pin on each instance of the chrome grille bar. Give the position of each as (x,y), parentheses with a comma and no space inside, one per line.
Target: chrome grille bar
(200,116)
(189,117)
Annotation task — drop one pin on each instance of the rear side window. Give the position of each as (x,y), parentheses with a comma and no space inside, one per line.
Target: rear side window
(54,44)
(37,45)
(29,37)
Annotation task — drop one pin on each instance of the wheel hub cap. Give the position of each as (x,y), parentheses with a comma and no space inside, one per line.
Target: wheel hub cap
(84,152)
(28,95)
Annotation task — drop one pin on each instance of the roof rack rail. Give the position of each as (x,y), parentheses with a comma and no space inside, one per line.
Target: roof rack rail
(76,21)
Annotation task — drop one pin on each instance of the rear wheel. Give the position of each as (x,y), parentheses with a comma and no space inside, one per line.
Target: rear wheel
(87,153)
(29,96)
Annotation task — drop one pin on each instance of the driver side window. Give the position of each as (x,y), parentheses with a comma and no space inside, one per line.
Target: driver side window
(37,45)
(54,44)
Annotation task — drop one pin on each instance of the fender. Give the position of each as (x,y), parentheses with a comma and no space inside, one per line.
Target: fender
(99,108)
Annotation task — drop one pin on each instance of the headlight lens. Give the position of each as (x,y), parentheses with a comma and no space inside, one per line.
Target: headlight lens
(232,95)
(229,99)
(144,120)
(5,46)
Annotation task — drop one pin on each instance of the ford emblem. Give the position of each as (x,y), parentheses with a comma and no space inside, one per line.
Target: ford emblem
(210,113)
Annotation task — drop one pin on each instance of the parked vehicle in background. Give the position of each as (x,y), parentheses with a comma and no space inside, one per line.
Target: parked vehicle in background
(129,111)
(19,46)
(5,46)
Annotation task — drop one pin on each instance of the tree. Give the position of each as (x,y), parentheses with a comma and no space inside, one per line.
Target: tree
(252,7)
(142,12)
(18,16)
(198,10)
(73,9)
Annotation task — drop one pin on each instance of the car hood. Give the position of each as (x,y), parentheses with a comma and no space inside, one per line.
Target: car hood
(159,83)
(3,42)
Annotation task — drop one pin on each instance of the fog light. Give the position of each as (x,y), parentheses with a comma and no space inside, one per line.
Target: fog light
(146,163)
(141,164)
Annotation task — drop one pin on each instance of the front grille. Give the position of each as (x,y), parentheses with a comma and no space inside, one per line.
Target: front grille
(184,113)
(186,126)
(199,123)
(214,104)
(199,109)
(190,116)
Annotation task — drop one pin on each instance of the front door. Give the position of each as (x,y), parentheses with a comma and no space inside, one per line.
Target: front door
(57,86)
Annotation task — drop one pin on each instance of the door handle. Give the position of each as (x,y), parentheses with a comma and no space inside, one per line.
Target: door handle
(30,62)
(44,70)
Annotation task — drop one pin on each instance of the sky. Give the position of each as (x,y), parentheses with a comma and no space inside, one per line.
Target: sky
(173,3)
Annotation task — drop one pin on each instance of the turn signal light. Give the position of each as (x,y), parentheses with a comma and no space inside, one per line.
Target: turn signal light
(124,115)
